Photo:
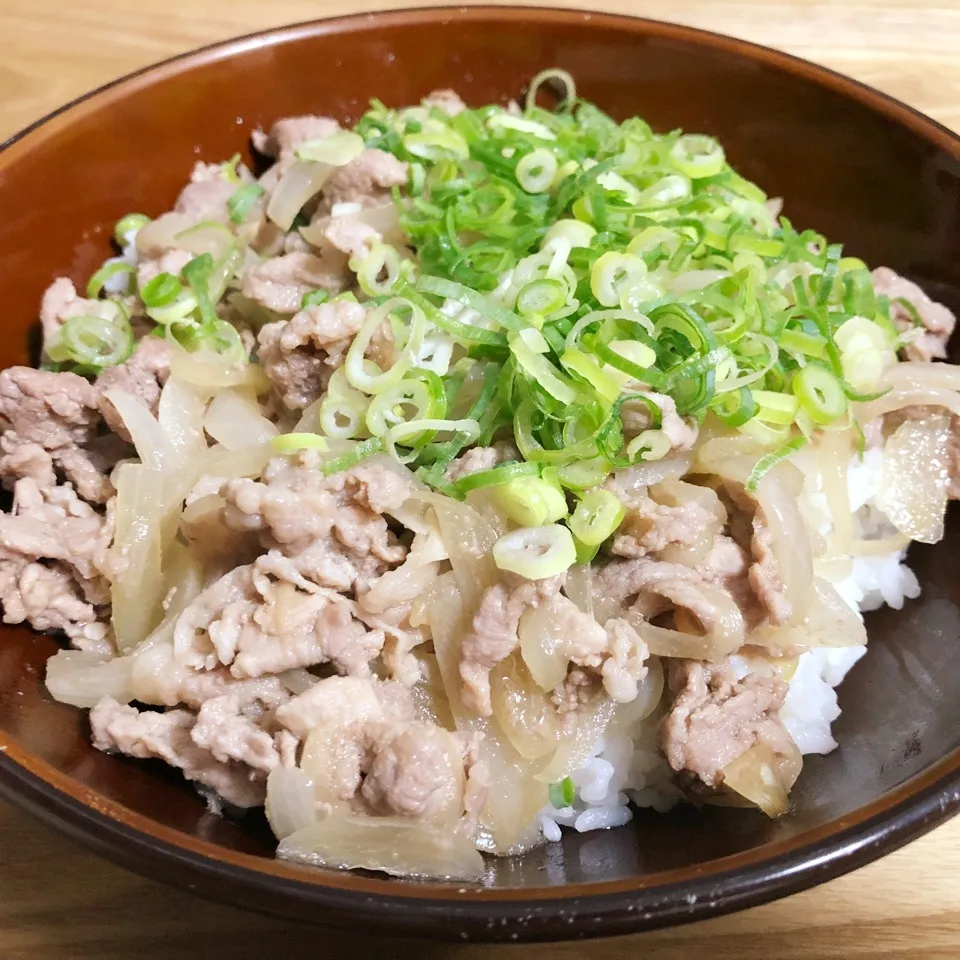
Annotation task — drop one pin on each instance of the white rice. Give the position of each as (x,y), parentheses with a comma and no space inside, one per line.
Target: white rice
(625,772)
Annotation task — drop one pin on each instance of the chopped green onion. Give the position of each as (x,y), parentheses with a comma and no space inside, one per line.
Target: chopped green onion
(583,474)
(648,445)
(531,501)
(242,202)
(470,298)
(698,156)
(128,225)
(228,170)
(338,149)
(161,291)
(735,407)
(775,407)
(574,232)
(223,338)
(541,297)
(92,342)
(596,517)
(415,429)
(111,269)
(765,464)
(820,393)
(294,442)
(535,172)
(611,273)
(562,794)
(546,76)
(496,476)
(314,298)
(361,451)
(536,552)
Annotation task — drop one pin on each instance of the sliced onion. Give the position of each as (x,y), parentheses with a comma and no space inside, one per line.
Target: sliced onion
(544,645)
(514,797)
(764,778)
(916,477)
(211,237)
(290,802)
(911,396)
(576,749)
(180,416)
(524,713)
(234,419)
(156,237)
(210,371)
(834,449)
(82,679)
(332,757)
(632,479)
(153,446)
(628,717)
(393,845)
(135,556)
(828,621)
(302,182)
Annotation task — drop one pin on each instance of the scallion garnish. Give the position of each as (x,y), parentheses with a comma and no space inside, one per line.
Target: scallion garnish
(242,202)
(562,794)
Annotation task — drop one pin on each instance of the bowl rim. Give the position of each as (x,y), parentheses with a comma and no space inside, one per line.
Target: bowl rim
(483,914)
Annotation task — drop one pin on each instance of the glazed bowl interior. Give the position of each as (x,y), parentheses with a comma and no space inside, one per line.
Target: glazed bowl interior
(849,162)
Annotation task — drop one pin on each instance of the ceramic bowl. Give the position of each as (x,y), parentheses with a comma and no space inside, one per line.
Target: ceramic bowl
(850,162)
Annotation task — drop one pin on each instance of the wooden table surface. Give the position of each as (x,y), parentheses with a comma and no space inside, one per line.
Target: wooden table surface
(58,902)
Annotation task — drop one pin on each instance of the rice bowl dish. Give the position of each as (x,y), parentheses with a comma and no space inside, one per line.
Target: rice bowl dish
(468,476)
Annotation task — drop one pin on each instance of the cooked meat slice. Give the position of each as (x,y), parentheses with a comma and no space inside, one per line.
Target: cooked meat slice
(938,321)
(728,565)
(715,718)
(142,376)
(25,459)
(203,200)
(351,235)
(346,703)
(288,134)
(657,518)
(651,587)
(54,524)
(493,634)
(223,730)
(481,458)
(53,425)
(167,736)
(258,623)
(764,573)
(298,355)
(446,100)
(650,527)
(367,179)
(54,410)
(280,283)
(48,597)
(624,666)
(160,678)
(331,528)
(417,771)
(88,469)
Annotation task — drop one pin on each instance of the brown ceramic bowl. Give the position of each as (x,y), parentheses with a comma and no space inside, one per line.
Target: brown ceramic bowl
(851,162)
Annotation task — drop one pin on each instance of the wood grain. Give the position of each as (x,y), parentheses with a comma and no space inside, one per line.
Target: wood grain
(58,902)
